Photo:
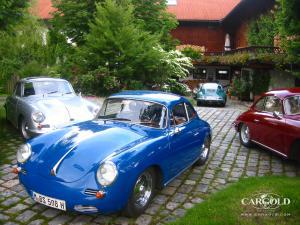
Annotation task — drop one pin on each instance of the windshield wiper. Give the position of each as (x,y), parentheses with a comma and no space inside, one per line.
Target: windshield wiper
(52,92)
(70,92)
(121,119)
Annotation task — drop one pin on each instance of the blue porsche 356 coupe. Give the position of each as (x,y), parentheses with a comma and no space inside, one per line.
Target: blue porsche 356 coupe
(139,142)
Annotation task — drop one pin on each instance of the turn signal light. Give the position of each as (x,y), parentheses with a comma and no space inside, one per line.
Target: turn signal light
(16,170)
(100,194)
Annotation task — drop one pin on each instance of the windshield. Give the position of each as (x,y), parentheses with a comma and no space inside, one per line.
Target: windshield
(292,105)
(47,87)
(135,112)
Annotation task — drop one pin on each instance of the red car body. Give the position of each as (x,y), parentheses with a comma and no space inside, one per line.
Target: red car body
(277,131)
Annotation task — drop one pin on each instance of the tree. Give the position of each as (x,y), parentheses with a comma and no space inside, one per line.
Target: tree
(73,17)
(288,21)
(156,19)
(262,30)
(11,11)
(119,53)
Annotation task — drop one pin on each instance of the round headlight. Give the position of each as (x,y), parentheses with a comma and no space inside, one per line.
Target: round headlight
(23,153)
(38,117)
(107,173)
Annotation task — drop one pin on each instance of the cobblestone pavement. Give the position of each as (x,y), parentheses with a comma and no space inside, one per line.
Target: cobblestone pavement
(228,162)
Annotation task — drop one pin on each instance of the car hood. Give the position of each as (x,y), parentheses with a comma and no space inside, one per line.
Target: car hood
(60,110)
(293,117)
(80,148)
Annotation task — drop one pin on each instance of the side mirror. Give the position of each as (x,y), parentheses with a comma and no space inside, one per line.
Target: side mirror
(276,114)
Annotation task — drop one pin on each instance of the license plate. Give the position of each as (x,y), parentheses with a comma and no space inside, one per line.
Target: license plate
(51,202)
(210,98)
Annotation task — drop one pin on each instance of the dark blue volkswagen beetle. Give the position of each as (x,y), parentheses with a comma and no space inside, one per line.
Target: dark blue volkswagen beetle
(140,141)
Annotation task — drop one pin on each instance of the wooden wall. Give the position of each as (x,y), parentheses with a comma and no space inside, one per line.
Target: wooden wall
(211,36)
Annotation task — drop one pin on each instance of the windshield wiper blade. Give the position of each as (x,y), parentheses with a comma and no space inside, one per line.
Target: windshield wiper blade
(52,92)
(122,119)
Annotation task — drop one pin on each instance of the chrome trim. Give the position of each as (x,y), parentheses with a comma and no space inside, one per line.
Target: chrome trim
(90,191)
(280,153)
(54,169)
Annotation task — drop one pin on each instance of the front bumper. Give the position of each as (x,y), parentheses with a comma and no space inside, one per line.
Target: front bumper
(75,194)
(210,101)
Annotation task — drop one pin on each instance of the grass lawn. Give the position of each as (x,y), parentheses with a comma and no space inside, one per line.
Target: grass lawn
(225,206)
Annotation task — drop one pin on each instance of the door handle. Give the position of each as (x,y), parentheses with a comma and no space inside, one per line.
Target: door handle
(256,121)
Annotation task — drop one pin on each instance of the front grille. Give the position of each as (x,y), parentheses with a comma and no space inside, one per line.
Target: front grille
(89,191)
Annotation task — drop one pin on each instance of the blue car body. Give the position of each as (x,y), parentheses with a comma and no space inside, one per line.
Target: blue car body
(132,147)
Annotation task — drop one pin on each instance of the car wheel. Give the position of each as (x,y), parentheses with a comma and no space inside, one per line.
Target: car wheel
(245,135)
(23,126)
(142,193)
(205,152)
(198,103)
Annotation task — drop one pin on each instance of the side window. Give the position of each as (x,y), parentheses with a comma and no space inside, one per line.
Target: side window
(178,114)
(28,89)
(259,106)
(191,112)
(273,104)
(18,89)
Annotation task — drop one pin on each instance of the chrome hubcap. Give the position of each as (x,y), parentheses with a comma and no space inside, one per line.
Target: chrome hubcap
(245,134)
(143,189)
(205,150)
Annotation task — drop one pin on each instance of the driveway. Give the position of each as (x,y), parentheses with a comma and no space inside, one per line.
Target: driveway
(228,162)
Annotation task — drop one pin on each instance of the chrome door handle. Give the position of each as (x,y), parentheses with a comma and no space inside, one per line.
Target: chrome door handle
(256,121)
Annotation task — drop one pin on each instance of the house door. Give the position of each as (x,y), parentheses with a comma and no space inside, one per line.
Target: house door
(211,74)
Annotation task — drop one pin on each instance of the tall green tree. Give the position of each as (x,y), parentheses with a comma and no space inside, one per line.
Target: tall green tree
(288,21)
(120,53)
(262,30)
(73,17)
(11,11)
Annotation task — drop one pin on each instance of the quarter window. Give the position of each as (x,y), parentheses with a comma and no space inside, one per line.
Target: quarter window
(273,104)
(191,112)
(178,115)
(259,106)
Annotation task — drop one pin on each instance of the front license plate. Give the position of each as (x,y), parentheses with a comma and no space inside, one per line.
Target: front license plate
(52,202)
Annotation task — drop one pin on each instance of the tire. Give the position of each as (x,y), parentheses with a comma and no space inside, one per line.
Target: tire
(142,194)
(244,134)
(204,153)
(198,103)
(23,128)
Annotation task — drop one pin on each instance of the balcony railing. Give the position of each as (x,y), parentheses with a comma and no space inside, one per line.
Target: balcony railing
(251,50)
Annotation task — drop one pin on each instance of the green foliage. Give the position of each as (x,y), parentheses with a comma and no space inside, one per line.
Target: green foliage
(24,51)
(119,53)
(77,15)
(11,12)
(261,82)
(288,22)
(262,30)
(240,87)
(192,53)
(155,19)
(177,87)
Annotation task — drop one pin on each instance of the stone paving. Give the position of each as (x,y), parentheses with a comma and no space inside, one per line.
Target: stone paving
(228,162)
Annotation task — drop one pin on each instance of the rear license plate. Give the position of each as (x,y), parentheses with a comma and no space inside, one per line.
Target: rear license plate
(51,202)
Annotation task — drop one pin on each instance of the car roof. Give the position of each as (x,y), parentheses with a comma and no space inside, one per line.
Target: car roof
(29,79)
(164,98)
(283,92)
